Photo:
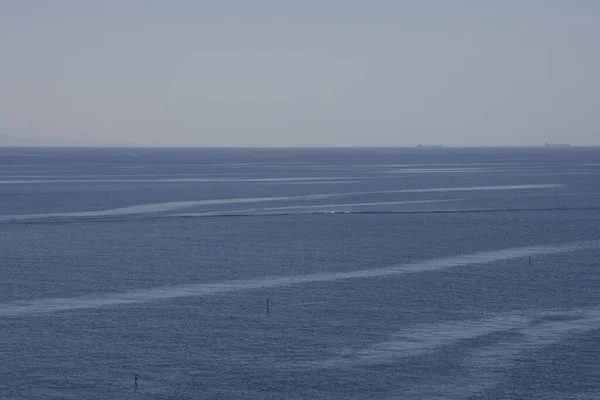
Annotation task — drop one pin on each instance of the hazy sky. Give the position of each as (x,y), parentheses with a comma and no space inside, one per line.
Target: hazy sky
(299,73)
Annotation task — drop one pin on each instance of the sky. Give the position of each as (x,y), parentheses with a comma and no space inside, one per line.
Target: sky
(299,73)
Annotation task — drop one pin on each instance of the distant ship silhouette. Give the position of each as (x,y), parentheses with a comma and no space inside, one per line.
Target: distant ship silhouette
(429,145)
(556,144)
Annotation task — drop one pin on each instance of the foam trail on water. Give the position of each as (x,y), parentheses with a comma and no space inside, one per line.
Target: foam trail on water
(555,194)
(250,211)
(178,205)
(529,331)
(476,188)
(377,203)
(320,182)
(44,174)
(455,170)
(150,208)
(423,339)
(45,306)
(166,180)
(486,366)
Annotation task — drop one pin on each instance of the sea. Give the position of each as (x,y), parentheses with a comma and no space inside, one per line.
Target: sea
(299,273)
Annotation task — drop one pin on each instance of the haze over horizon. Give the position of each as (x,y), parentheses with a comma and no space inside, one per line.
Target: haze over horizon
(271,74)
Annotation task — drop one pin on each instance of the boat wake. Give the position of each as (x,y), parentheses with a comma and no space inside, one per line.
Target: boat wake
(158,208)
(52,305)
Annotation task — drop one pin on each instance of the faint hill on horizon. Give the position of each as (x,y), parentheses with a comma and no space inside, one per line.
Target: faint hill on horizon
(29,141)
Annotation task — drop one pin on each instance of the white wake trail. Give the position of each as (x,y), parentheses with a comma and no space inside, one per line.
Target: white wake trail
(153,208)
(50,305)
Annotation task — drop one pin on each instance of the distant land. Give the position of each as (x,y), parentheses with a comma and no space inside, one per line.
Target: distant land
(429,145)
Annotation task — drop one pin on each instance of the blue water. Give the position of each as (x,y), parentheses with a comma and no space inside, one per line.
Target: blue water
(390,273)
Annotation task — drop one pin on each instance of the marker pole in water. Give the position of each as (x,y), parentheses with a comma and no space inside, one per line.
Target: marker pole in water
(135,379)
(529,259)
(267,305)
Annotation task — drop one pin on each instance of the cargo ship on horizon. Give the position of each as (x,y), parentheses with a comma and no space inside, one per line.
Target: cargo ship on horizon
(556,144)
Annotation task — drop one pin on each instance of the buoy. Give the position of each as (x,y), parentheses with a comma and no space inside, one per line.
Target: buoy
(135,379)
(267,305)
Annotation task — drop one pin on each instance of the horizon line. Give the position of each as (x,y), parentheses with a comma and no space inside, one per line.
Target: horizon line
(92,146)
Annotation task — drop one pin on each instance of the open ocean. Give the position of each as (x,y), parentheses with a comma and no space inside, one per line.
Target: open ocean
(390,273)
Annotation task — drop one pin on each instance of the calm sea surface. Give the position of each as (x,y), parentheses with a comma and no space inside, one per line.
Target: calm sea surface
(425,273)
